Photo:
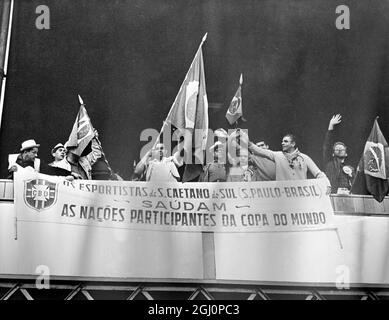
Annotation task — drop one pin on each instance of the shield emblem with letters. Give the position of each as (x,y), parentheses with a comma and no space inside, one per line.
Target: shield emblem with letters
(40,194)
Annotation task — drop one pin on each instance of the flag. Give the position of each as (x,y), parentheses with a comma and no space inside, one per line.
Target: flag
(234,111)
(373,168)
(82,132)
(189,114)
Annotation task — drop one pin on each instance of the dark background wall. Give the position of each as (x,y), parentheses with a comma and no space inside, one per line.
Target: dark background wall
(127,60)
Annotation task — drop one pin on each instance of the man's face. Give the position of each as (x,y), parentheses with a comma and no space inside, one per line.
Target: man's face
(220,153)
(243,158)
(59,154)
(262,145)
(159,151)
(340,151)
(30,155)
(287,144)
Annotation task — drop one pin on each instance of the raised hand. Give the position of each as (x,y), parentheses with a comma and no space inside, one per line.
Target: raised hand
(96,133)
(336,119)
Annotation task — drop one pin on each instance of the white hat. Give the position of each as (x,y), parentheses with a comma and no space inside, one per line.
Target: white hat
(221,133)
(28,144)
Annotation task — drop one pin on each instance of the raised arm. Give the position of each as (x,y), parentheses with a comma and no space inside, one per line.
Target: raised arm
(177,158)
(328,139)
(264,153)
(142,164)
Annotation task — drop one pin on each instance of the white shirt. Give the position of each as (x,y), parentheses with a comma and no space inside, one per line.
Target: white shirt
(63,164)
(164,170)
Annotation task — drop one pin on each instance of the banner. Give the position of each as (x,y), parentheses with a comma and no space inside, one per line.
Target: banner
(189,207)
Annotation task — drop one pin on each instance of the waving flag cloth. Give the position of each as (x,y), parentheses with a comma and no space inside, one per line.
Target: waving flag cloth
(189,114)
(234,112)
(81,136)
(82,132)
(373,168)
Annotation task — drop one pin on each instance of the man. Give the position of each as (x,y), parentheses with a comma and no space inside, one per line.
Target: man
(28,157)
(338,172)
(290,163)
(216,170)
(221,135)
(265,169)
(159,167)
(240,169)
(59,154)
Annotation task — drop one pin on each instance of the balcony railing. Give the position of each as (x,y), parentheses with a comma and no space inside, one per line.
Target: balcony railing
(209,287)
(71,290)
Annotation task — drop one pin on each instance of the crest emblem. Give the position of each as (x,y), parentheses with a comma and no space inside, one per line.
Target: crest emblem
(374,159)
(235,104)
(40,194)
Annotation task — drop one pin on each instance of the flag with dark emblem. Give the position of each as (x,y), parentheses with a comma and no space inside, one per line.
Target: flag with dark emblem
(82,132)
(234,112)
(373,168)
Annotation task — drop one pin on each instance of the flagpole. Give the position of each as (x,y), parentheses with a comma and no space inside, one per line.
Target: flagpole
(6,53)
(175,100)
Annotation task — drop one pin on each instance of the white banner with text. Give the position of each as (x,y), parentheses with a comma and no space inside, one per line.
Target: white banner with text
(275,206)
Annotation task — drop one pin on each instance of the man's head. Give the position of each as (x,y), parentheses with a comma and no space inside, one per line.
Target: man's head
(288,143)
(58,152)
(221,134)
(159,151)
(219,152)
(339,150)
(221,137)
(29,150)
(262,144)
(243,157)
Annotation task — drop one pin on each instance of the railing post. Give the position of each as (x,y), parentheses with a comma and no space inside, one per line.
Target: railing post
(209,263)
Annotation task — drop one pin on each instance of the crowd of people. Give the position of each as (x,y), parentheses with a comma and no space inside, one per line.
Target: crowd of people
(256,162)
(234,159)
(91,164)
